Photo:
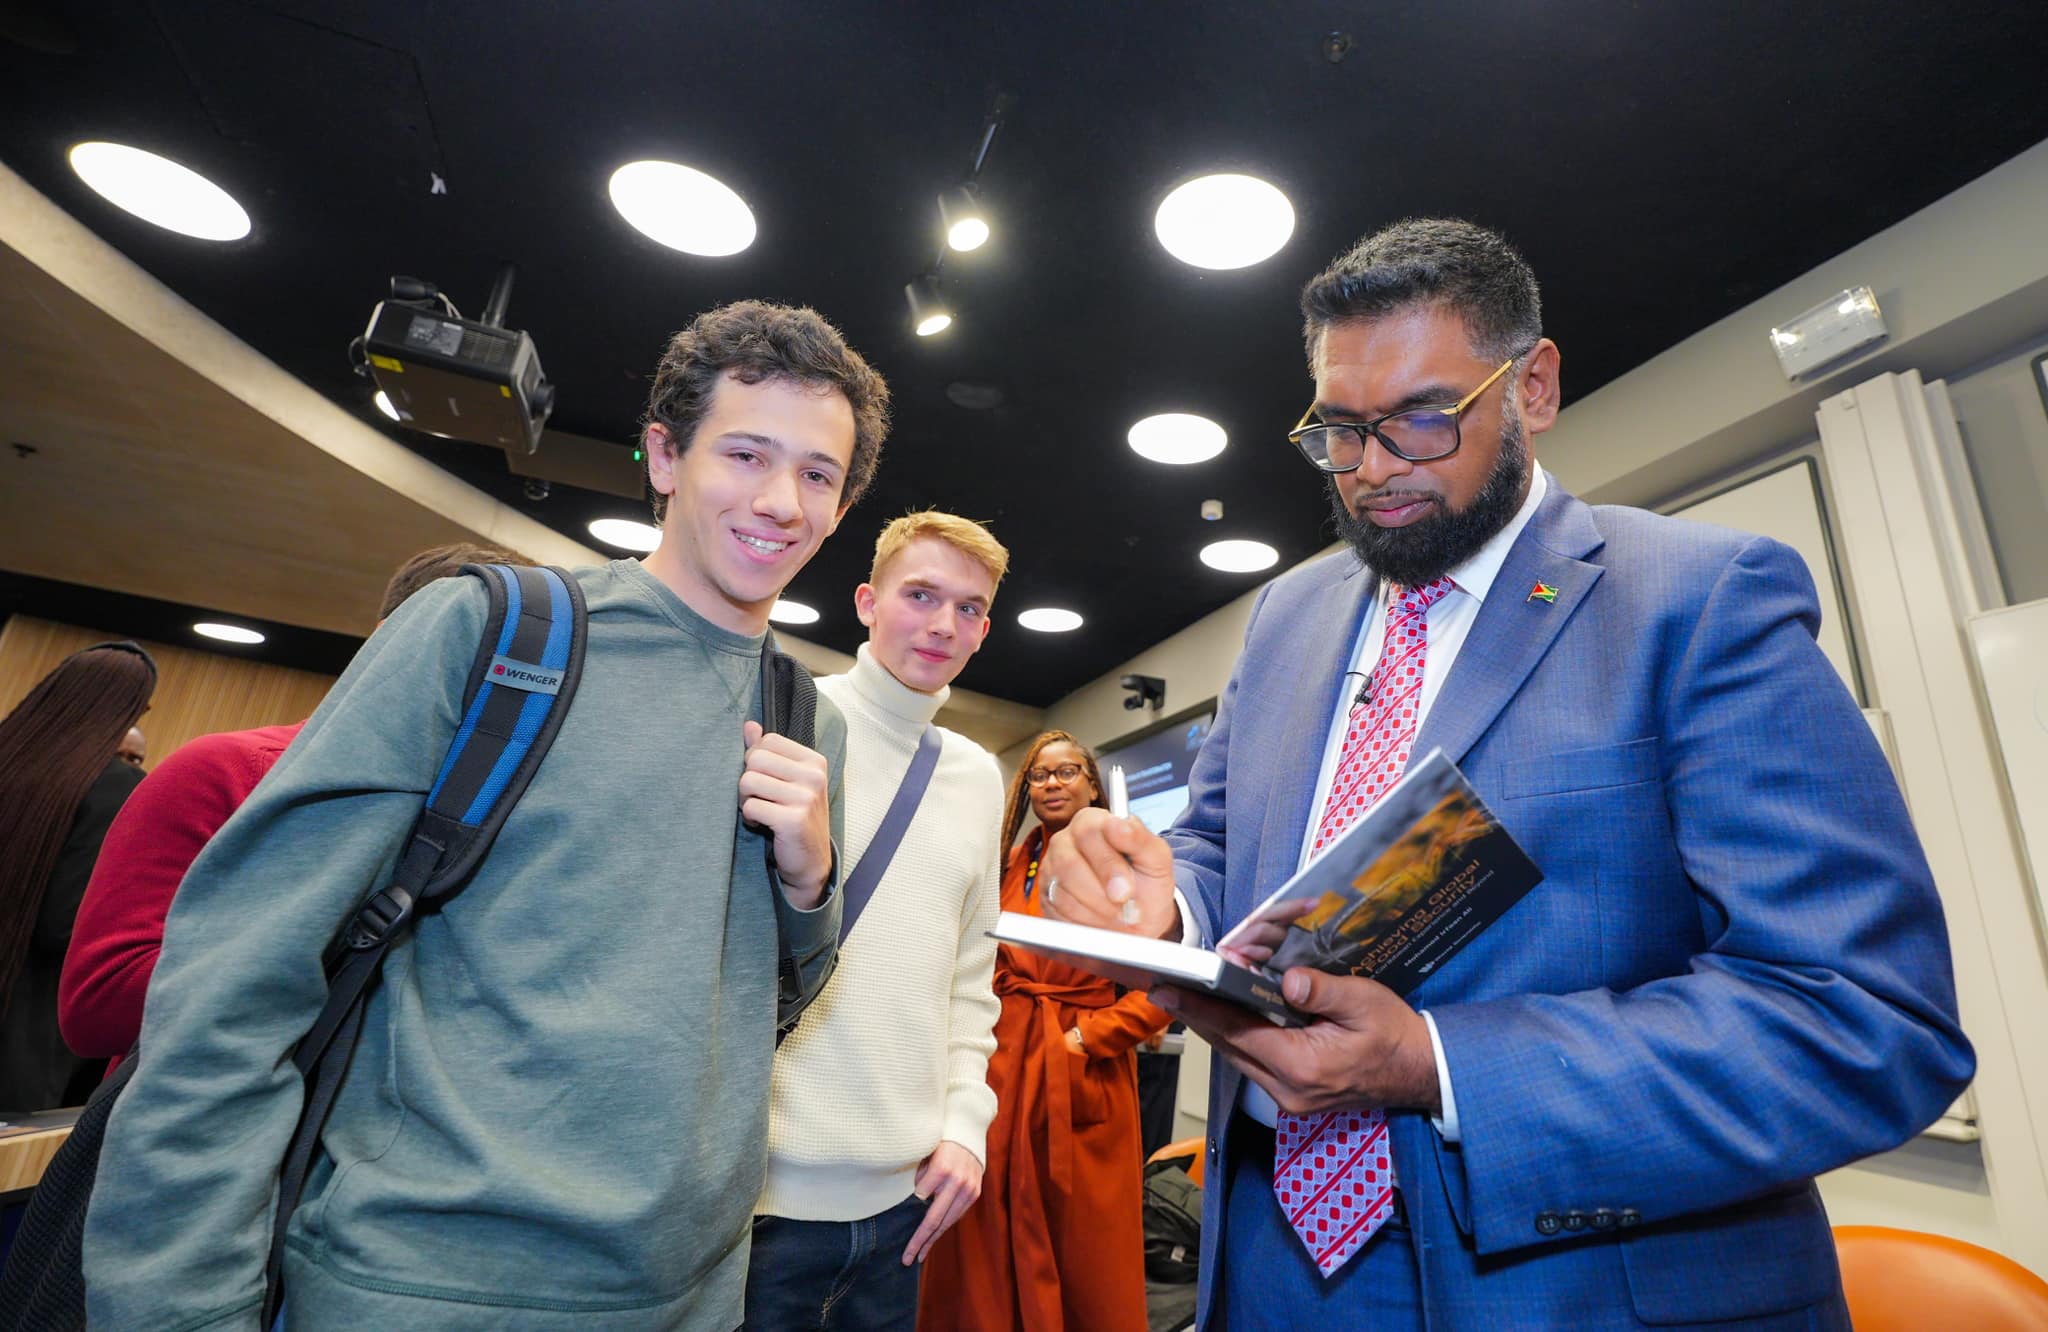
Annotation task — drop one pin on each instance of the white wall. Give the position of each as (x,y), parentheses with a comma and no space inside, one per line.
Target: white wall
(2004,426)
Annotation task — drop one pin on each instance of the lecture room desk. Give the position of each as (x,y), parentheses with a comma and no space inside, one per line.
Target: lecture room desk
(27,1144)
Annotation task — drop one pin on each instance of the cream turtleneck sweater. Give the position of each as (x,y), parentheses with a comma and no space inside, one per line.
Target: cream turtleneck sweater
(892,1058)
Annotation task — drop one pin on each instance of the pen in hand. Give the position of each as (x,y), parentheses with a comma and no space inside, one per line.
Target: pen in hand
(1119,808)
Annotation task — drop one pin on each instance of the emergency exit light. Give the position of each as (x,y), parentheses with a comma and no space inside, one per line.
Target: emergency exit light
(1829,331)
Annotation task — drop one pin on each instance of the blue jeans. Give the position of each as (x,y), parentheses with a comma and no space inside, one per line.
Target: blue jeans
(834,1274)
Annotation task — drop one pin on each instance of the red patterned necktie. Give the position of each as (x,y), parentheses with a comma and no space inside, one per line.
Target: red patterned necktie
(1332,1174)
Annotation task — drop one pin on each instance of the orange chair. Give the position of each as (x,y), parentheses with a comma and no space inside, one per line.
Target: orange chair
(1192,1147)
(1904,1279)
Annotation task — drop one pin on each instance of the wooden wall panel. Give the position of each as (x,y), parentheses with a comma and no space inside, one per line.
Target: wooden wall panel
(196,691)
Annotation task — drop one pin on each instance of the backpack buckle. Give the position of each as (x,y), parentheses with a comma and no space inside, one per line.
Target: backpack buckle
(377,919)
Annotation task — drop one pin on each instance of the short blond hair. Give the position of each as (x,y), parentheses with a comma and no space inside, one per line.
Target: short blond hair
(962,534)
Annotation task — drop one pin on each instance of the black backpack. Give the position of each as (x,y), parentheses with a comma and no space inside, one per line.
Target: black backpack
(532,648)
(1173,1222)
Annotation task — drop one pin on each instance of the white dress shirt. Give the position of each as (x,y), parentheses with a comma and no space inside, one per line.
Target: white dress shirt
(1449,620)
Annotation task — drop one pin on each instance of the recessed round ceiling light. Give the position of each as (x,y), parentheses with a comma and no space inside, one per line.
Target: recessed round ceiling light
(158,190)
(1224,221)
(969,233)
(792,612)
(1049,619)
(383,401)
(1239,556)
(1177,437)
(626,534)
(682,208)
(227,633)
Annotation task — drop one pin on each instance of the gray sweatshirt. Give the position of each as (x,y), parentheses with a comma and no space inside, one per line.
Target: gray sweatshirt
(556,1115)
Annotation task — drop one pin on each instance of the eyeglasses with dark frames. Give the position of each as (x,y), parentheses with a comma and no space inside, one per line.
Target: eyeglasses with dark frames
(1066,774)
(1416,434)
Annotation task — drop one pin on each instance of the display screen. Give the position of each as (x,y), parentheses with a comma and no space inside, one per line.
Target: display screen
(1156,763)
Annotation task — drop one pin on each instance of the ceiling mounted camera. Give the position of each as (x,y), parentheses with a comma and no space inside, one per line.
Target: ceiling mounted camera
(1146,691)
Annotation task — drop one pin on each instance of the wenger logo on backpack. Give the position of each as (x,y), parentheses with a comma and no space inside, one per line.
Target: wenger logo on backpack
(524,675)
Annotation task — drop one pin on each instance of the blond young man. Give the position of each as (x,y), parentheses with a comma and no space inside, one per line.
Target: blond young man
(880,1105)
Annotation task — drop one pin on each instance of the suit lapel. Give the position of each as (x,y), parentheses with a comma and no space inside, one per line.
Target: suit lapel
(1515,628)
(1317,683)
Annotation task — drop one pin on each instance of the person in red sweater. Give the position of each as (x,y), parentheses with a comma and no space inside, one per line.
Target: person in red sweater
(154,840)
(161,830)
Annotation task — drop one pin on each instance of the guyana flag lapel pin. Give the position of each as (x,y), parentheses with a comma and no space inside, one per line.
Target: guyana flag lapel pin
(1543,592)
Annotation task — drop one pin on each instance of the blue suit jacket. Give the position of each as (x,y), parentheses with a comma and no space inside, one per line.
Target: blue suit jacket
(1734,976)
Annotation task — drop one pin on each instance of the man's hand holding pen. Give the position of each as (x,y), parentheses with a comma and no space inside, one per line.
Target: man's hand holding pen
(1107,869)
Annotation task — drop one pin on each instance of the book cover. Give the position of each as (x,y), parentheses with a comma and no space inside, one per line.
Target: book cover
(1402,890)
(1393,898)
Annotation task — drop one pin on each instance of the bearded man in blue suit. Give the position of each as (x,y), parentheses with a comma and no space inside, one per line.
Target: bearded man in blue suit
(1607,1110)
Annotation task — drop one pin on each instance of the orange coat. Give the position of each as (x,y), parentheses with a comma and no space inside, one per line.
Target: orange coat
(1056,1242)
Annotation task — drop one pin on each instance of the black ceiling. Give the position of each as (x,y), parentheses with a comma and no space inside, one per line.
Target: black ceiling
(1659,164)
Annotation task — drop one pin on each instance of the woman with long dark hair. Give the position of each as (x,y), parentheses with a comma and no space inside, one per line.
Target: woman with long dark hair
(61,783)
(1057,1239)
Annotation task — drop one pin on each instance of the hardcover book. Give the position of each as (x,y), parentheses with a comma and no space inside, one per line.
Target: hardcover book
(1393,898)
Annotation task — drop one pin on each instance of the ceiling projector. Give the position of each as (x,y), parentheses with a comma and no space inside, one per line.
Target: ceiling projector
(467,379)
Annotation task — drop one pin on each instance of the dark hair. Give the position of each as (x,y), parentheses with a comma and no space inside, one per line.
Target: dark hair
(436,563)
(1432,261)
(755,341)
(53,747)
(1013,808)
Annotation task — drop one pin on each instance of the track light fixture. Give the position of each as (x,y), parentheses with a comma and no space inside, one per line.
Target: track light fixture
(965,226)
(929,313)
(960,212)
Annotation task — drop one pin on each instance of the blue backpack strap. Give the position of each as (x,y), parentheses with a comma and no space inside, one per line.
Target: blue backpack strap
(528,663)
(517,699)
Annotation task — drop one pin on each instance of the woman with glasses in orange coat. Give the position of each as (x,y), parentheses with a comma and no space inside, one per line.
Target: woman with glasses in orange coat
(1056,1243)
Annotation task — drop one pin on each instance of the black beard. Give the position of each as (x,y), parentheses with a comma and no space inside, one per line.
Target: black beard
(1426,550)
